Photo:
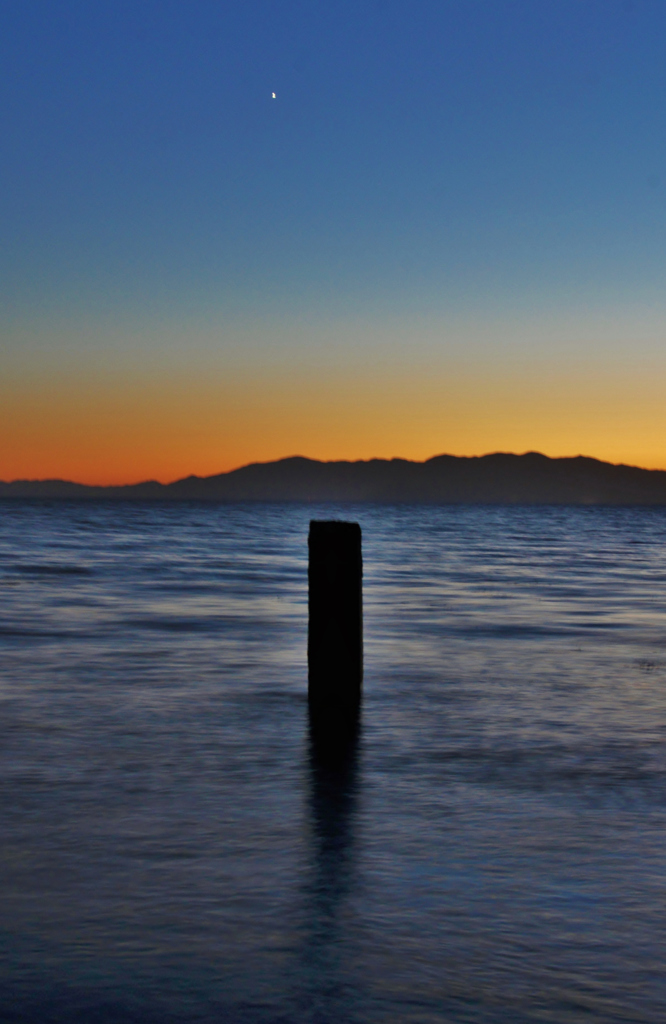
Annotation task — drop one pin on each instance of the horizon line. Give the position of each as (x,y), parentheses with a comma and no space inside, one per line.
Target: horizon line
(307,458)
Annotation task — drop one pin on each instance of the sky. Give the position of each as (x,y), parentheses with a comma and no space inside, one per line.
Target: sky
(445,233)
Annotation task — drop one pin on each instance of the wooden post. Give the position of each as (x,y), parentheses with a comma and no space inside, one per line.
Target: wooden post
(335,626)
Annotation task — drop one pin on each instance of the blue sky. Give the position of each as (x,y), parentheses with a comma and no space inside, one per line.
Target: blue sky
(478,184)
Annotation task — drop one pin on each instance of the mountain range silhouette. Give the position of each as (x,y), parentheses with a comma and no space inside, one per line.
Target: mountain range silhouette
(500,478)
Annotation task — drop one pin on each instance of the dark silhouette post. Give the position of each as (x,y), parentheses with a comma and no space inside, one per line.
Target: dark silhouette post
(335,628)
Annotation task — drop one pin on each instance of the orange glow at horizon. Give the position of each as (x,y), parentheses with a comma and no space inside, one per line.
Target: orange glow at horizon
(102,431)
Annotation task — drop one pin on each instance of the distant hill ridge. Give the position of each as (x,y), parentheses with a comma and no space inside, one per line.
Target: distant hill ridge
(499,478)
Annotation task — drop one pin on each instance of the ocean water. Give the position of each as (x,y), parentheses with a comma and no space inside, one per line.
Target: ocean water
(173,850)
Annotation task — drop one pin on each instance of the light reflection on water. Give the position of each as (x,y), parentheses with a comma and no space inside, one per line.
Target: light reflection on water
(175,848)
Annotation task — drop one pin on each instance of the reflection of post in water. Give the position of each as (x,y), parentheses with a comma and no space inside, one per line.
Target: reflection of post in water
(333,784)
(332,801)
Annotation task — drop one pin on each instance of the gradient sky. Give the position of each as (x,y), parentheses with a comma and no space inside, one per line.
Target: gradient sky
(447,233)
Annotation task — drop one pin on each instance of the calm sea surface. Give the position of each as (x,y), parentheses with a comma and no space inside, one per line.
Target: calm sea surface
(172,851)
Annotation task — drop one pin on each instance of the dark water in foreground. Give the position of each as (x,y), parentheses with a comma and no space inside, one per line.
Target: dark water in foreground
(172,852)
